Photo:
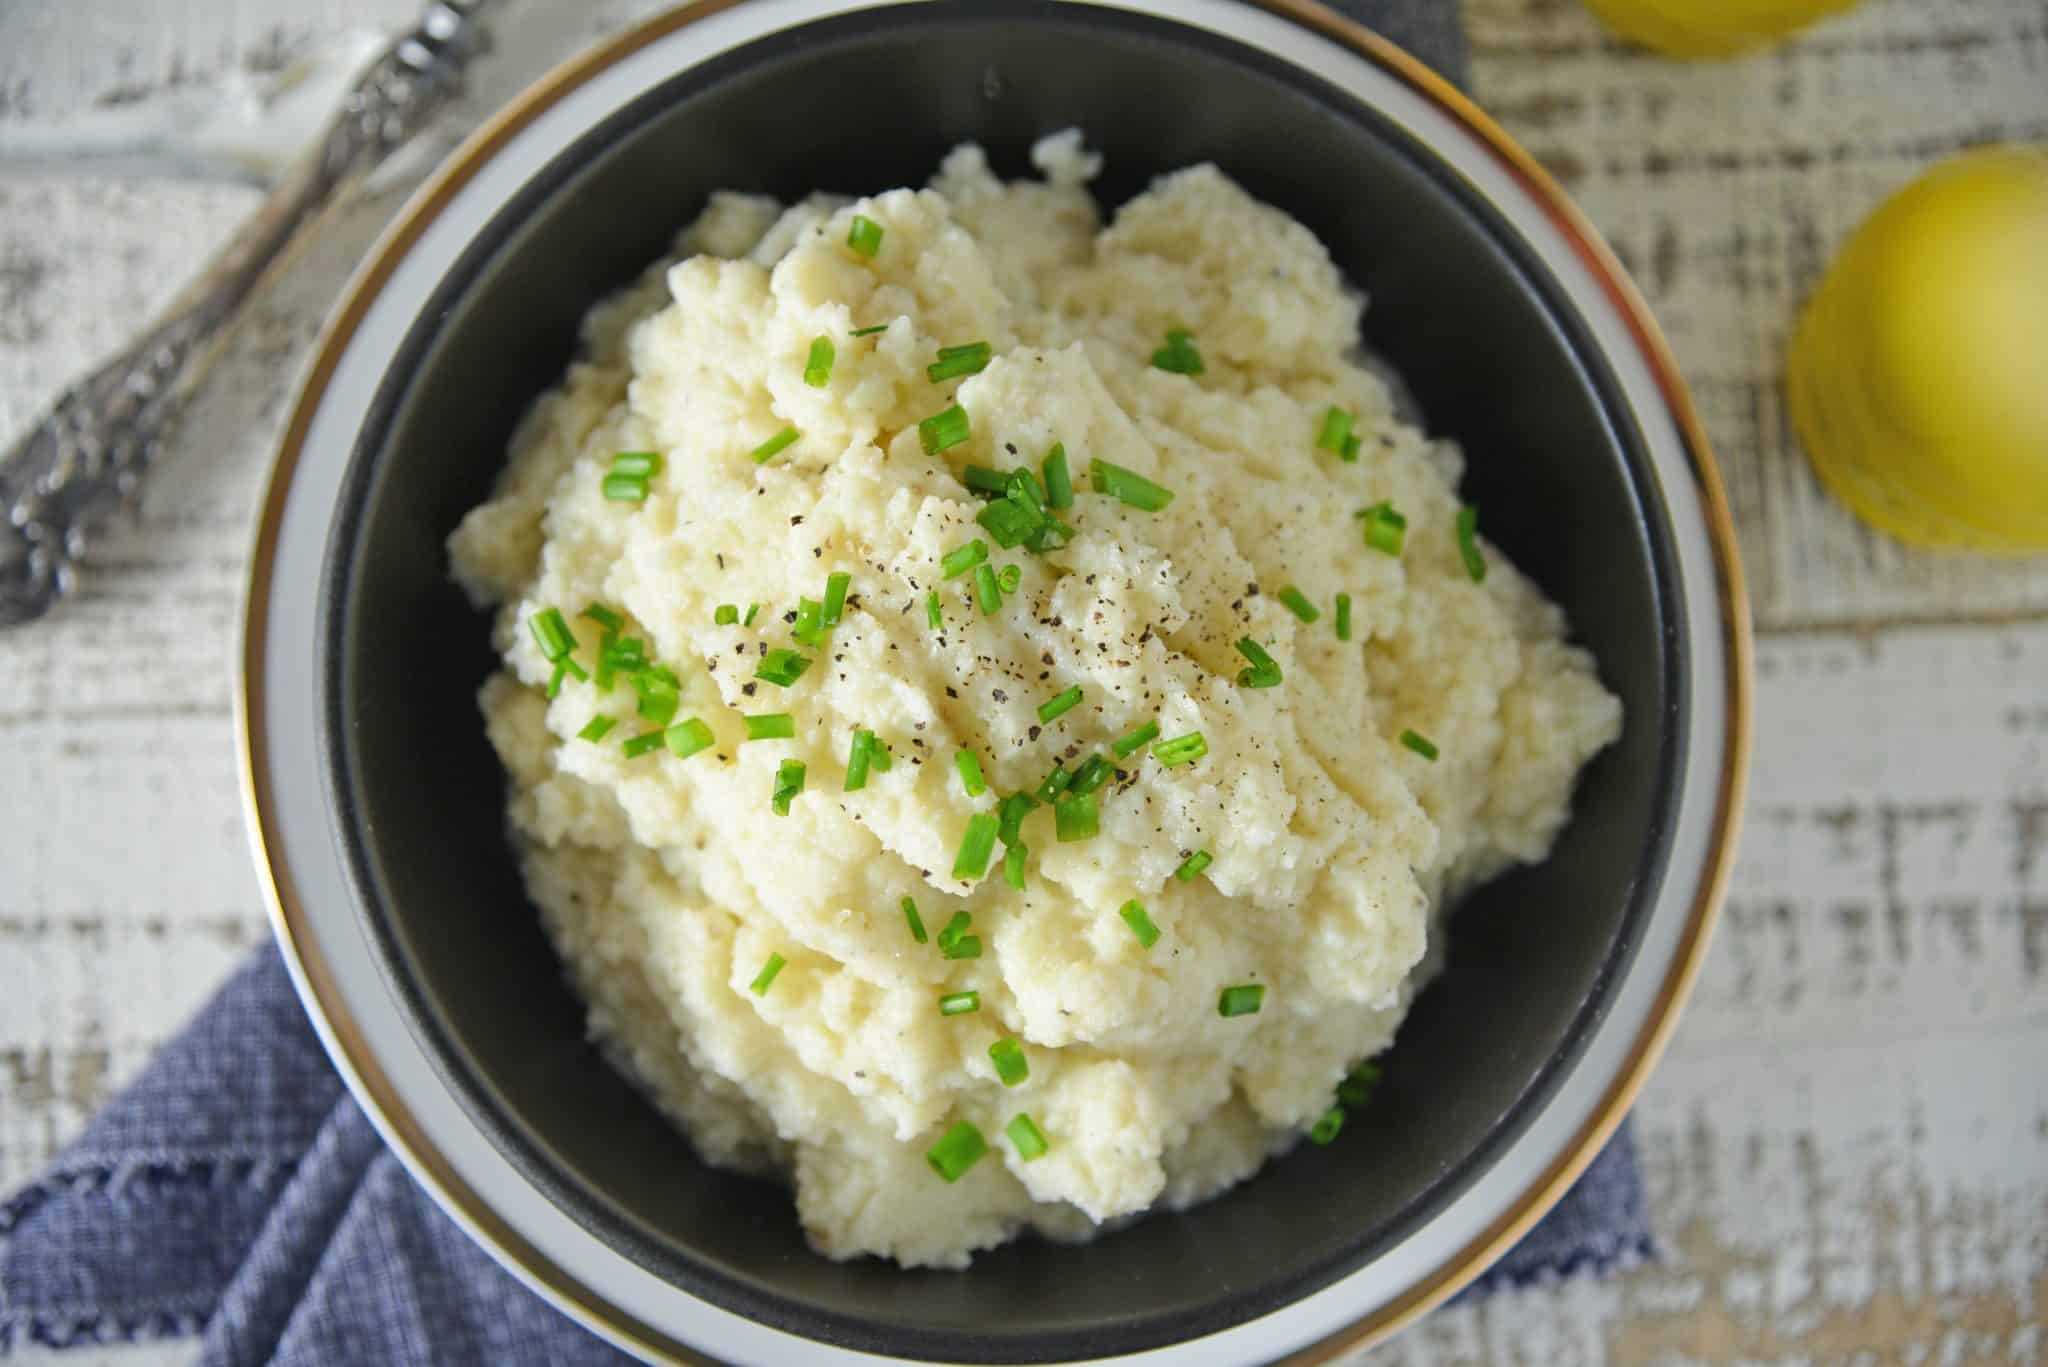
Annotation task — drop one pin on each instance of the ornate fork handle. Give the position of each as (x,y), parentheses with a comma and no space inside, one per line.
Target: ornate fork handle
(77,466)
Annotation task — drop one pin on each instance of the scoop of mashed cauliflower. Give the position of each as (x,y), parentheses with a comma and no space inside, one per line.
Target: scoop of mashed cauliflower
(766,949)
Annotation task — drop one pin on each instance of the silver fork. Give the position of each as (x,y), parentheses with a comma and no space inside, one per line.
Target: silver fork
(72,471)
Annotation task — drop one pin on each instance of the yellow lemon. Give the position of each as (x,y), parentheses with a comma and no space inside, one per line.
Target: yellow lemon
(1918,377)
(1711,28)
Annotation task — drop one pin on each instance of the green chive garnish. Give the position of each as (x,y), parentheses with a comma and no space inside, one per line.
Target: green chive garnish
(966,947)
(1093,773)
(554,687)
(776,444)
(959,1149)
(765,979)
(603,616)
(1013,864)
(1264,670)
(915,921)
(770,726)
(1010,521)
(1192,866)
(1136,740)
(956,926)
(1350,451)
(646,743)
(818,365)
(551,633)
(1011,814)
(659,692)
(1385,529)
(1179,354)
(625,488)
(1054,784)
(1075,818)
(835,597)
(934,616)
(1297,603)
(1059,704)
(943,431)
(641,464)
(969,765)
(869,332)
(864,235)
(1326,1126)
(1336,428)
(686,738)
(982,480)
(789,781)
(1011,1065)
(782,667)
(1181,749)
(726,615)
(1420,744)
(1025,1134)
(1242,1000)
(959,1003)
(1141,925)
(1468,543)
(1127,486)
(955,361)
(597,728)
(809,627)
(963,558)
(1357,1088)
(988,595)
(857,760)
(1008,578)
(1343,616)
(878,755)
(976,844)
(1059,484)
(753,610)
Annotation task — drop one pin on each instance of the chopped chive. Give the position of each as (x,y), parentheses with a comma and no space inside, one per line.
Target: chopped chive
(567,665)
(772,447)
(1013,864)
(597,728)
(765,979)
(1468,543)
(1010,521)
(818,365)
(1242,1000)
(1181,749)
(753,611)
(969,765)
(1011,1065)
(1054,784)
(603,616)
(1264,670)
(955,928)
(606,670)
(1343,616)
(1141,925)
(915,921)
(1192,866)
(960,1148)
(1327,1125)
(625,488)
(686,738)
(725,615)
(1008,578)
(1179,355)
(1297,603)
(1385,529)
(1336,430)
(1075,818)
(1136,740)
(809,627)
(551,633)
(878,755)
(643,464)
(1011,814)
(659,693)
(1127,486)
(864,235)
(782,667)
(835,596)
(1420,744)
(1025,1134)
(1350,451)
(1023,486)
(554,687)
(789,781)
(1059,484)
(963,558)
(770,726)
(955,361)
(959,1003)
(943,431)
(966,947)
(988,595)
(1357,1087)
(869,332)
(646,743)
(858,759)
(934,614)
(1050,536)
(1059,704)
(983,480)
(1093,773)
(976,844)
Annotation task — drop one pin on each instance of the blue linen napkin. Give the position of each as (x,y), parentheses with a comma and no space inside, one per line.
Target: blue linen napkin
(235,1190)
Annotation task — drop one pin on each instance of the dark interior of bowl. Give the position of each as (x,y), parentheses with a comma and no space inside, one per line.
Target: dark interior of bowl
(861,104)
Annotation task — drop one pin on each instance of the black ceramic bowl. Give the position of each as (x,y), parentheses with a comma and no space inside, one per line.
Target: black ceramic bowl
(1498,357)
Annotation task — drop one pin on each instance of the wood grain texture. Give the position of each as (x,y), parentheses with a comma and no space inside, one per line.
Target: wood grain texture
(1847,1145)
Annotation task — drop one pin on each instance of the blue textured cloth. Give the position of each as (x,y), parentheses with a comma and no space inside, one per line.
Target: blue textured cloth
(235,1190)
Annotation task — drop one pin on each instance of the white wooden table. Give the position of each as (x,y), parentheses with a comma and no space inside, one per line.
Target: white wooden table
(1847,1146)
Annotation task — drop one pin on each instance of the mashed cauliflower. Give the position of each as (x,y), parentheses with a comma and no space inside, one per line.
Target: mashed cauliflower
(669,883)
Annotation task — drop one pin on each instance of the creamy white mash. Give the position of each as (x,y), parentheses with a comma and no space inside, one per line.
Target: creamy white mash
(670,883)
